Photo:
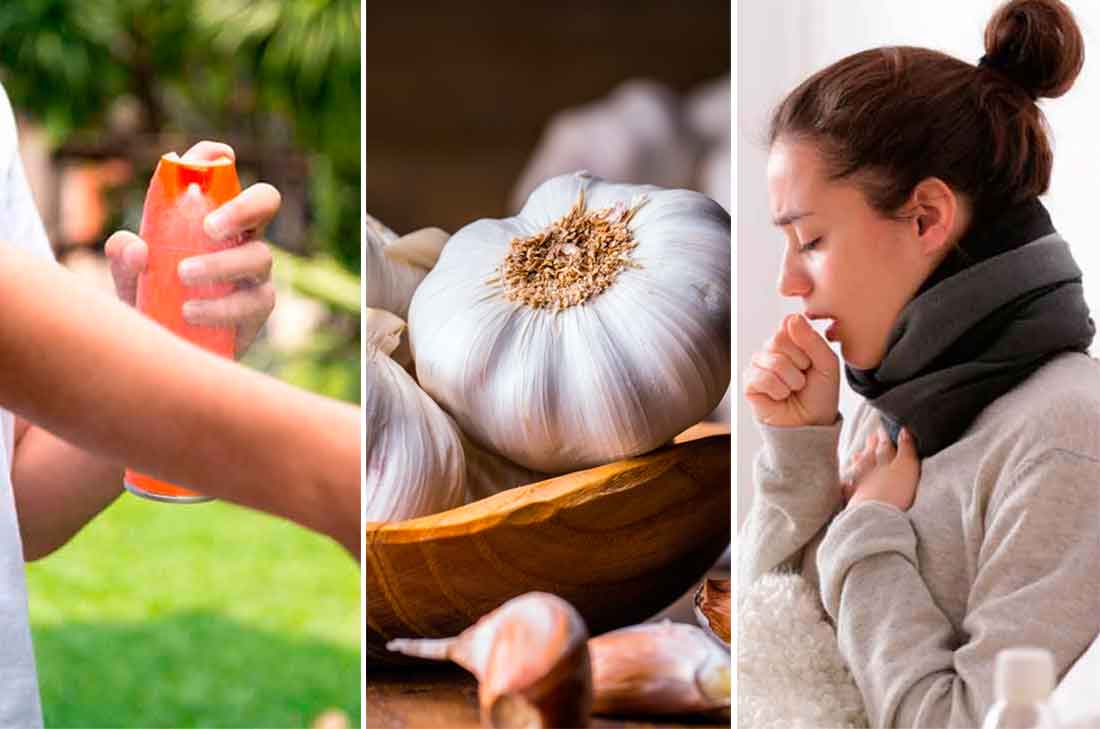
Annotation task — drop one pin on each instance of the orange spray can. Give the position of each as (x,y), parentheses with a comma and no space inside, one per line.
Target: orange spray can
(180,196)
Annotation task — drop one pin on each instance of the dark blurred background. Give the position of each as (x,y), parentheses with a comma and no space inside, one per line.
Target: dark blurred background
(458,96)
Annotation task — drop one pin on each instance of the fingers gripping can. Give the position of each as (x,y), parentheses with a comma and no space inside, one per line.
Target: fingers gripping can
(181,194)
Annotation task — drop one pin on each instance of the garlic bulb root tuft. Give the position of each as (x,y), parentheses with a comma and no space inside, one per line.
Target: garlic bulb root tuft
(574,259)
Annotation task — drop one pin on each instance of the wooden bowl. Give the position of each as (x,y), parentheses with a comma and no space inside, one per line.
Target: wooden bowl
(620,542)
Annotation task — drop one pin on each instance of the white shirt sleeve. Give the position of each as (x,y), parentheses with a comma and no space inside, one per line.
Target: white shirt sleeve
(20,222)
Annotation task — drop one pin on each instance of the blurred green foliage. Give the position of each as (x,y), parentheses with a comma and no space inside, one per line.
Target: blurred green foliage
(265,72)
(304,57)
(330,362)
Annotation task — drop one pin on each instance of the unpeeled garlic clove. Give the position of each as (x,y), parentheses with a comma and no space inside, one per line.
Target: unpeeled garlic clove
(658,668)
(387,332)
(531,660)
(414,460)
(419,248)
(377,228)
(393,266)
(383,329)
(707,111)
(637,132)
(712,608)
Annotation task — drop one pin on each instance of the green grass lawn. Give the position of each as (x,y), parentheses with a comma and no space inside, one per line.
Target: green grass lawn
(165,615)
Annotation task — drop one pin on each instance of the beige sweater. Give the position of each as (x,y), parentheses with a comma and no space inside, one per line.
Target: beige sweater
(1000,548)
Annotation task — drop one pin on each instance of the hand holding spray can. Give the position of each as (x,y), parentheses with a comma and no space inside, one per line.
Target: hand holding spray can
(181,194)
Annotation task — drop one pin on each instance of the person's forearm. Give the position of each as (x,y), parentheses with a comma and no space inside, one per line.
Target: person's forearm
(1032,582)
(897,642)
(99,375)
(58,489)
(797,492)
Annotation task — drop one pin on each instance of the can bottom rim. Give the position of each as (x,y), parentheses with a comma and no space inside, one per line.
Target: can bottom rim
(136,491)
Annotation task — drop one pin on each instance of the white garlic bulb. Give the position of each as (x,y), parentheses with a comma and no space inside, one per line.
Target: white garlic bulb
(592,326)
(636,133)
(414,460)
(395,265)
(714,175)
(707,111)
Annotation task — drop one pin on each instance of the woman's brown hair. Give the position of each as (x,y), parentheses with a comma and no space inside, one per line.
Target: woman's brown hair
(891,117)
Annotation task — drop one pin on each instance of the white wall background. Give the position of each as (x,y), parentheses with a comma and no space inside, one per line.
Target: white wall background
(780,43)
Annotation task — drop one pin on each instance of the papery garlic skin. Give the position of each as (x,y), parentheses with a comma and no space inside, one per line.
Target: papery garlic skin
(388,332)
(414,460)
(659,668)
(711,606)
(613,377)
(384,330)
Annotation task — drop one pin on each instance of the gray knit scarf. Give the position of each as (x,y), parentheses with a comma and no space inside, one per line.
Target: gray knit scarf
(975,331)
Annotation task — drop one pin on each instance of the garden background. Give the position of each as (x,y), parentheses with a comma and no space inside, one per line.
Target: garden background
(166,615)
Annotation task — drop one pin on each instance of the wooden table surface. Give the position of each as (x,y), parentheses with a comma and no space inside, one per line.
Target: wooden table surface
(447,697)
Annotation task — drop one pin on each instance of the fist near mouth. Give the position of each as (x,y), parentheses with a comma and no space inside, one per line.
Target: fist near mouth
(795,380)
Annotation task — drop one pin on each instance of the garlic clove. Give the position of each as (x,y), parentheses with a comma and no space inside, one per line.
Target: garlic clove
(712,608)
(383,329)
(707,111)
(387,284)
(636,132)
(659,668)
(531,660)
(413,452)
(374,226)
(420,248)
(388,333)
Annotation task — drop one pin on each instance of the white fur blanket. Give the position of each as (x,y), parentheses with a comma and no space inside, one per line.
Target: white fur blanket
(789,671)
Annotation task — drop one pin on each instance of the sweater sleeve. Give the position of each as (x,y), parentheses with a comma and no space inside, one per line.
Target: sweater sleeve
(1036,584)
(797,492)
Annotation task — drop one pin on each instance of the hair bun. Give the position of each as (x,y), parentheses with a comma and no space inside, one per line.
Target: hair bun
(1037,44)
